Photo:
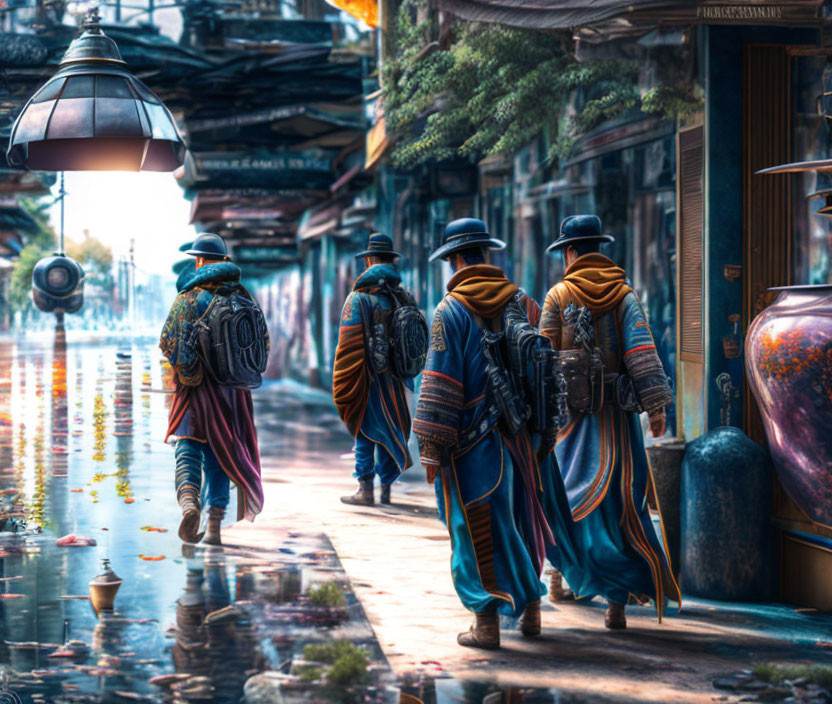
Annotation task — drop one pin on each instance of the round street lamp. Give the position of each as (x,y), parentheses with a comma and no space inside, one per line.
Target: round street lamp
(93,115)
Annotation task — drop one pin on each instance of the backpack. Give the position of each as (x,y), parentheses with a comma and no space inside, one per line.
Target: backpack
(525,379)
(400,345)
(233,340)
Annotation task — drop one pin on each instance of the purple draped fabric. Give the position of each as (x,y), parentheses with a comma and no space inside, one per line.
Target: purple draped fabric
(224,418)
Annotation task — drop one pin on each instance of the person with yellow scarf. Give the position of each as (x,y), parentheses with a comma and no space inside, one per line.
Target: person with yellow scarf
(601,451)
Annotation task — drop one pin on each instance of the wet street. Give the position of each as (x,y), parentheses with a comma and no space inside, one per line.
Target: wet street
(322,601)
(83,461)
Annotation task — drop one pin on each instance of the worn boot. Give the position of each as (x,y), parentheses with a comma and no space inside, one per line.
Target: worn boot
(385,493)
(615,618)
(484,632)
(530,620)
(557,592)
(188,499)
(364,495)
(212,533)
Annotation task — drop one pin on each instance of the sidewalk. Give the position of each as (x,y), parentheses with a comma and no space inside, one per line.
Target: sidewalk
(398,561)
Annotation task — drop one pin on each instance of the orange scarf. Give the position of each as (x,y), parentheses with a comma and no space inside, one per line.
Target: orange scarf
(483,289)
(596,282)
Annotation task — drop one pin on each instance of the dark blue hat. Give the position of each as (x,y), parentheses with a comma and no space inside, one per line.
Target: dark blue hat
(579,228)
(379,243)
(465,233)
(208,246)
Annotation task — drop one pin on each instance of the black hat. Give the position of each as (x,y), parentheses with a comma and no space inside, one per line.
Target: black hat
(379,243)
(465,233)
(208,246)
(579,228)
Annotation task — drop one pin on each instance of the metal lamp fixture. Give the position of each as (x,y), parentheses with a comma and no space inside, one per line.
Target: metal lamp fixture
(93,115)
(58,281)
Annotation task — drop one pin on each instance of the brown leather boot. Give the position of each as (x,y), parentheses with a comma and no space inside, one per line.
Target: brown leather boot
(615,618)
(188,499)
(363,496)
(530,620)
(484,632)
(212,533)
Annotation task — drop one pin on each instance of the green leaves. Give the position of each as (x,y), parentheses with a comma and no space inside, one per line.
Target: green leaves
(491,89)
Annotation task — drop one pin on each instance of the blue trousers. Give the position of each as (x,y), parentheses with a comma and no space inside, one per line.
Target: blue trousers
(371,458)
(194,460)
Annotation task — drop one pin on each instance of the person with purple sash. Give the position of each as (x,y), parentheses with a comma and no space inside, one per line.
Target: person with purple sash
(211,425)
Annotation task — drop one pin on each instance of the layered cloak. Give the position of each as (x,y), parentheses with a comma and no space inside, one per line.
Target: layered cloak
(201,409)
(602,456)
(501,511)
(369,402)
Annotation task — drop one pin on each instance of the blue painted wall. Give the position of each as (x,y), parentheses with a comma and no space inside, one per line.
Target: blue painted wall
(722,50)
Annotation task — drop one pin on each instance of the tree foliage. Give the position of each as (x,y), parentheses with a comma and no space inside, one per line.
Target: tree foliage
(91,253)
(39,244)
(488,89)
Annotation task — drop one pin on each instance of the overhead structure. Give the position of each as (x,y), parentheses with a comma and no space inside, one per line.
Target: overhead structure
(94,115)
(608,19)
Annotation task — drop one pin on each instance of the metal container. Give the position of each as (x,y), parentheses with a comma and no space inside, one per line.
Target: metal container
(726,518)
(104,587)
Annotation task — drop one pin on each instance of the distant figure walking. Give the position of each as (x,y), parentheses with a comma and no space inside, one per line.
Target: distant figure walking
(212,418)
(382,345)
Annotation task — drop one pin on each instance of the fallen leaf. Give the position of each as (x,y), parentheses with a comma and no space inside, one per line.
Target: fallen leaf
(129,501)
(77,491)
(11,596)
(148,558)
(153,529)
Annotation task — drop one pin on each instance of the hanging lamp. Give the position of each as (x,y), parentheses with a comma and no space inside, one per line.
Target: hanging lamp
(93,115)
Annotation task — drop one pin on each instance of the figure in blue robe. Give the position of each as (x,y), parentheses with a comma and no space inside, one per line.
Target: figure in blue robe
(502,512)
(371,402)
(601,456)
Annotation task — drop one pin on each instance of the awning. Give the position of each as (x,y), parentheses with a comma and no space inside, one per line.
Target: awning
(364,10)
(302,170)
(570,14)
(320,221)
(377,143)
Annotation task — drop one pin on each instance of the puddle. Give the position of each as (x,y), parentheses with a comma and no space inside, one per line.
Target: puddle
(81,454)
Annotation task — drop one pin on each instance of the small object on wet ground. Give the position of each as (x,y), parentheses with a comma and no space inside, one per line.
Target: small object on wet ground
(228,613)
(103,588)
(78,597)
(167,680)
(77,491)
(74,649)
(75,541)
(153,529)
(11,596)
(151,558)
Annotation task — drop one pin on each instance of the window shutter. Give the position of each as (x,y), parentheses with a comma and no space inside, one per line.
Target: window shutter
(691,221)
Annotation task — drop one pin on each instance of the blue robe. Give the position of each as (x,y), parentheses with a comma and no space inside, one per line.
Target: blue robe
(604,463)
(372,404)
(501,511)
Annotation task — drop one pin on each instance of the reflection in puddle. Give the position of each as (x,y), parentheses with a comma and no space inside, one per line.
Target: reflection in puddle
(204,626)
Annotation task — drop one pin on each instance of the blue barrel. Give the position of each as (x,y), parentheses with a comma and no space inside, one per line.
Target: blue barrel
(726,518)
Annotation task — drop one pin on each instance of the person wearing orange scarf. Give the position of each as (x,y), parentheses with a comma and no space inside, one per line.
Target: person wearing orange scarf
(601,455)
(371,402)
(501,514)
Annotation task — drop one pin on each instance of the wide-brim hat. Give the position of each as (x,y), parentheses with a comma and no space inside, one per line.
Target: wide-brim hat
(579,228)
(465,233)
(208,246)
(379,243)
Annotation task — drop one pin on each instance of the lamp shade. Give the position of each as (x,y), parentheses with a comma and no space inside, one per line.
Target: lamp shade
(93,115)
